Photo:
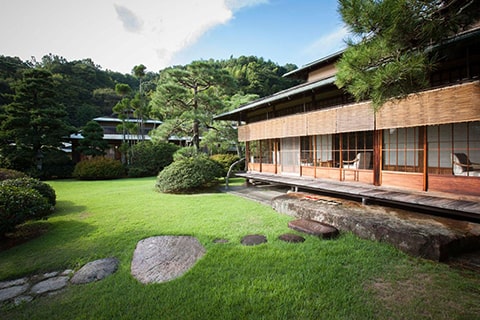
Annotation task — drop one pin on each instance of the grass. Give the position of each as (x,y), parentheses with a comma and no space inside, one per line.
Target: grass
(346,278)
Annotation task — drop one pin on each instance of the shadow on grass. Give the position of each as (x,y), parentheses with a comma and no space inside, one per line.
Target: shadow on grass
(63,208)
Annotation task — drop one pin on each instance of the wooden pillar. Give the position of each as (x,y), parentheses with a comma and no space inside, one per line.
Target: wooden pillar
(377,157)
(424,142)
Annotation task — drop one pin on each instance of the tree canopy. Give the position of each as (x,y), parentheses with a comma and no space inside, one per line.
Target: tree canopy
(390,53)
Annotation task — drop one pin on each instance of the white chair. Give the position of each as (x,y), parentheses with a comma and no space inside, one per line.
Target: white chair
(361,161)
(462,166)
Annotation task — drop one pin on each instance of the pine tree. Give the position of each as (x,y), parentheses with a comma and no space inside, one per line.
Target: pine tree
(390,53)
(34,122)
(92,143)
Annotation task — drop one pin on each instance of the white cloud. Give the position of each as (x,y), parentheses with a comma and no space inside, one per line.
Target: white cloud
(117,34)
(327,43)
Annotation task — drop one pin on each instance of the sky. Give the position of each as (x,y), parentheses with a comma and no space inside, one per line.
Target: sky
(120,34)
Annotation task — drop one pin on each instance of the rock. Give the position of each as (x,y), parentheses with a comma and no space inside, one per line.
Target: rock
(253,240)
(417,234)
(11,283)
(95,270)
(12,292)
(163,258)
(51,284)
(290,237)
(314,228)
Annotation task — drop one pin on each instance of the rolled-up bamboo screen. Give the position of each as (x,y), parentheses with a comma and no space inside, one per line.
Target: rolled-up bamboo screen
(459,103)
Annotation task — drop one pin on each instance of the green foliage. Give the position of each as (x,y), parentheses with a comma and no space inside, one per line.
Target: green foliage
(99,168)
(186,153)
(56,165)
(6,174)
(226,160)
(190,96)
(92,143)
(390,54)
(19,204)
(149,158)
(30,183)
(189,175)
(34,122)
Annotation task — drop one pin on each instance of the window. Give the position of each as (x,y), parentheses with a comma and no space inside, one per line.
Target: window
(449,143)
(403,150)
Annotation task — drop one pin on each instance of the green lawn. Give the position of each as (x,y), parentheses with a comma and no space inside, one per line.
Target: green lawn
(345,278)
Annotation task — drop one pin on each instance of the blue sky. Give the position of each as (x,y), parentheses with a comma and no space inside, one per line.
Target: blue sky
(119,34)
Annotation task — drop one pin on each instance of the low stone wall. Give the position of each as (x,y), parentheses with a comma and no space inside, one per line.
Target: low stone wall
(420,235)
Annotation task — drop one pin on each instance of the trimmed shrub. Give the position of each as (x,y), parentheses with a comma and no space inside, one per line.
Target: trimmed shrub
(30,183)
(19,204)
(188,175)
(6,174)
(149,158)
(99,168)
(226,160)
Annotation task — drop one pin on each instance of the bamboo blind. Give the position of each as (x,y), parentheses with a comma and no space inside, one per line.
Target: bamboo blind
(459,103)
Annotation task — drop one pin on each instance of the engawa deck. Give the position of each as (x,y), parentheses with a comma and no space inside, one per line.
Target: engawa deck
(421,200)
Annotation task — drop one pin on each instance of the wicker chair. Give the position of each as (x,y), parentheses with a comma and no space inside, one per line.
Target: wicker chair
(462,166)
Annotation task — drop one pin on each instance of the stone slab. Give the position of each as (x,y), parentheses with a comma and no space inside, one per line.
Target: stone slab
(51,284)
(421,235)
(314,228)
(95,270)
(164,258)
(290,237)
(253,240)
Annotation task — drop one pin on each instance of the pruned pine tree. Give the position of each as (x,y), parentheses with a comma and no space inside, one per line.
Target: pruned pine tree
(189,96)
(34,123)
(390,52)
(92,143)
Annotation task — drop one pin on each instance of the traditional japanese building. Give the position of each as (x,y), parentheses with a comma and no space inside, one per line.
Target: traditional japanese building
(428,142)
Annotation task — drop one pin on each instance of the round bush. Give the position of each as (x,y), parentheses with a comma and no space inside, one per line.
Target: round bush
(19,204)
(44,189)
(149,158)
(99,168)
(226,160)
(188,175)
(6,174)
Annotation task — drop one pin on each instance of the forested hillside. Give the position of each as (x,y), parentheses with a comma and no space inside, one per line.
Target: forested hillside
(42,102)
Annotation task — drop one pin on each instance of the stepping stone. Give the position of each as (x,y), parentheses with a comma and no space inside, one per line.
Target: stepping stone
(290,237)
(314,228)
(253,240)
(95,270)
(164,258)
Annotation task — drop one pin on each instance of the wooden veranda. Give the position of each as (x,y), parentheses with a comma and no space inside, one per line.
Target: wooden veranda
(467,207)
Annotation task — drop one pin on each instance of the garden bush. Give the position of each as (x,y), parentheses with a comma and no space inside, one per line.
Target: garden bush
(98,168)
(226,160)
(20,204)
(30,183)
(149,158)
(6,174)
(188,175)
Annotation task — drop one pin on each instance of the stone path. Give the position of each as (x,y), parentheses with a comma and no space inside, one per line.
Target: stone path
(155,260)
(28,288)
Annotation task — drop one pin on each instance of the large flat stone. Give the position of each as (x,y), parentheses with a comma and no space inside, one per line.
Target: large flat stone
(49,285)
(314,228)
(417,234)
(163,258)
(95,270)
